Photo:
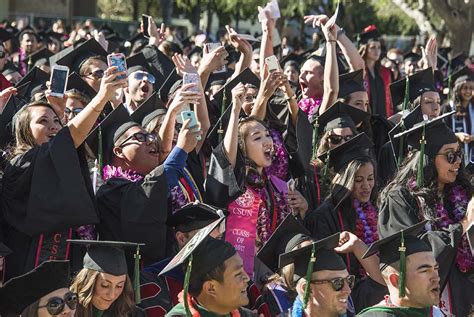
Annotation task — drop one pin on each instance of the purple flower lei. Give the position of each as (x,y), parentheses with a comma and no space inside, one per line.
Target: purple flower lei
(280,161)
(458,197)
(310,106)
(366,223)
(110,171)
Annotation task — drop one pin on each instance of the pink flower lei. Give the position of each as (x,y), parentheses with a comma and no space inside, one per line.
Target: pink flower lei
(366,223)
(110,171)
(458,197)
(310,106)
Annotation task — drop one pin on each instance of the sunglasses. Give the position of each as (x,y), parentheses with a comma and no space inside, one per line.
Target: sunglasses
(141,75)
(337,139)
(140,137)
(3,54)
(55,305)
(74,111)
(97,74)
(338,283)
(452,156)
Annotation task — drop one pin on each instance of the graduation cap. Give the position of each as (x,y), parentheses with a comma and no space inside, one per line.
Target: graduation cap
(417,84)
(169,82)
(101,140)
(138,62)
(224,97)
(194,51)
(27,29)
(152,106)
(341,115)
(318,256)
(5,35)
(34,81)
(412,57)
(292,57)
(6,120)
(289,234)
(74,57)
(9,68)
(219,78)
(397,247)
(358,147)
(193,216)
(429,137)
(203,254)
(109,257)
(4,250)
(76,82)
(369,33)
(22,291)
(40,57)
(351,82)
(462,75)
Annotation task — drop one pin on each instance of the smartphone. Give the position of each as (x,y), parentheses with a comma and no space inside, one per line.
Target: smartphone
(191,78)
(211,47)
(272,63)
(58,80)
(145,25)
(291,185)
(118,60)
(193,125)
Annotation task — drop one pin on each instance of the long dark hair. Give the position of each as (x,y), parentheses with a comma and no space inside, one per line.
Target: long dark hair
(428,194)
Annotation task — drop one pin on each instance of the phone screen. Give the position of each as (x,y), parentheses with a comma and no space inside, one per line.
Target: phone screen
(191,78)
(145,25)
(211,47)
(118,60)
(58,81)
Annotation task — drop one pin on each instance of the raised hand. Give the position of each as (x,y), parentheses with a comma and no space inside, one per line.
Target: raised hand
(241,45)
(316,20)
(297,203)
(184,97)
(109,83)
(183,64)
(430,52)
(157,35)
(214,60)
(347,242)
(238,97)
(188,138)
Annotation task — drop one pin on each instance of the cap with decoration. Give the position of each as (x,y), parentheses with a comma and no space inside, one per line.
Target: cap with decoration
(193,216)
(370,33)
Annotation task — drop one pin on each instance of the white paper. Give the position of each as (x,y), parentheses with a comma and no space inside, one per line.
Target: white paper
(273,8)
(332,20)
(248,37)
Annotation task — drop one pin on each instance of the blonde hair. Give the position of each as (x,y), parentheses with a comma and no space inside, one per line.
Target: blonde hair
(83,285)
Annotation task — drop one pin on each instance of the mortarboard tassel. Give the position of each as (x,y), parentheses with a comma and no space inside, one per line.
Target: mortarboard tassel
(136,276)
(315,136)
(406,98)
(400,145)
(309,271)
(100,153)
(420,172)
(220,131)
(187,277)
(450,79)
(401,280)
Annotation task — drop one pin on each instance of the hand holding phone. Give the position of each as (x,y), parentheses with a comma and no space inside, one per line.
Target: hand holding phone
(58,80)
(291,185)
(272,63)
(145,25)
(118,60)
(193,124)
(191,78)
(211,47)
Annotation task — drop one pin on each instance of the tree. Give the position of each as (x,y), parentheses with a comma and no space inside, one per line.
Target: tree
(456,17)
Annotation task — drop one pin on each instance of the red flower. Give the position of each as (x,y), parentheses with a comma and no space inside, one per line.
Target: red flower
(370,28)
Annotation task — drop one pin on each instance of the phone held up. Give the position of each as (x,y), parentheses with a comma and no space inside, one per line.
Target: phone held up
(118,60)
(193,125)
(272,63)
(58,80)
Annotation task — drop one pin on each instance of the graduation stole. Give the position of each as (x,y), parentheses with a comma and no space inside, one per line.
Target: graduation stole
(195,309)
(459,125)
(385,74)
(241,226)
(53,246)
(189,187)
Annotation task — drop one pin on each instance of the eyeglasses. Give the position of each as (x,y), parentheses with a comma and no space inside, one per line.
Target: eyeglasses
(250,98)
(140,137)
(336,139)
(2,54)
(55,305)
(97,74)
(74,111)
(453,156)
(337,283)
(141,75)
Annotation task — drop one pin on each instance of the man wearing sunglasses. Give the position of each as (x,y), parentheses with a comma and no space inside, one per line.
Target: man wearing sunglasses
(140,82)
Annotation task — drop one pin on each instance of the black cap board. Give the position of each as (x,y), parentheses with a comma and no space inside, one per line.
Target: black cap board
(12,105)
(292,57)
(111,128)
(9,68)
(351,82)
(40,57)
(462,75)
(152,105)
(74,57)
(358,147)
(168,83)
(76,82)
(410,56)
(32,82)
(289,234)
(193,216)
(5,35)
(419,83)
(366,36)
(22,291)
(341,115)
(4,250)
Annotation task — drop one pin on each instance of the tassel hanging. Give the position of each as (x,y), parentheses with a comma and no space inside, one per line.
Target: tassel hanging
(406,99)
(421,164)
(220,131)
(187,277)
(315,136)
(136,277)
(401,280)
(309,272)
(100,154)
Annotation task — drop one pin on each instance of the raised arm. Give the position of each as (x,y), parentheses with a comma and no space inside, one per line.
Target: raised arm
(81,125)
(331,72)
(266,46)
(211,62)
(268,86)
(243,47)
(232,131)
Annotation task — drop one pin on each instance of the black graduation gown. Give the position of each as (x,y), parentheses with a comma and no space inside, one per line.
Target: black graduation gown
(398,211)
(325,222)
(137,312)
(386,164)
(46,193)
(378,132)
(136,212)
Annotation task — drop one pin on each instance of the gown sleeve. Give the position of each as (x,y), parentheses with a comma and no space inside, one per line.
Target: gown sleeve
(298,143)
(46,188)
(224,183)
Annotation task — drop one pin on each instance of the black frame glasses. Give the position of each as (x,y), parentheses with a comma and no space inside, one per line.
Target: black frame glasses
(140,137)
(338,282)
(55,305)
(74,111)
(97,74)
(452,156)
(337,139)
